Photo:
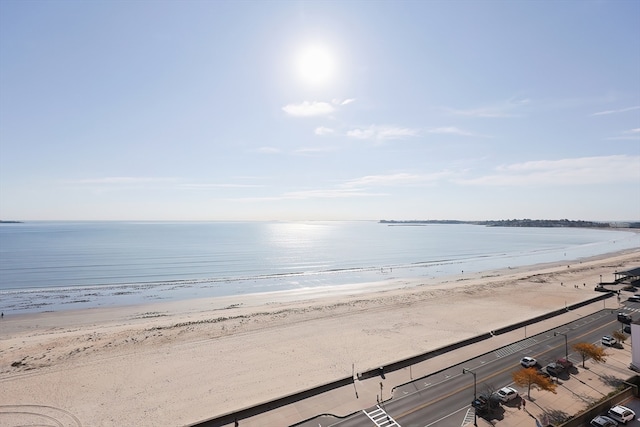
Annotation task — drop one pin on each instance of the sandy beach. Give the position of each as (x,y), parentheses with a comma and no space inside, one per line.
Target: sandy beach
(176,363)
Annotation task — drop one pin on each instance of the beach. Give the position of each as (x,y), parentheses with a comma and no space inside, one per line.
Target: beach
(180,362)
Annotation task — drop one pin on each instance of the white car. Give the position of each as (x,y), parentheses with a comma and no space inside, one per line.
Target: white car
(621,413)
(506,394)
(528,362)
(608,340)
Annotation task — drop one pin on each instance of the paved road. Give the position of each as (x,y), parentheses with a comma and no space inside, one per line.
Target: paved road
(443,398)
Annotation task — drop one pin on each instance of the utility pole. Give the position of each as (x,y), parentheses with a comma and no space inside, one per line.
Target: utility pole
(475,415)
(566,346)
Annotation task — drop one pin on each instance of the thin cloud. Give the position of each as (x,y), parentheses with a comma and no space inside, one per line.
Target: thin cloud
(343,102)
(397,179)
(313,150)
(621,110)
(577,171)
(321,130)
(382,133)
(222,185)
(126,183)
(334,193)
(481,113)
(122,180)
(631,134)
(309,109)
(366,186)
(122,183)
(451,130)
(315,108)
(501,110)
(330,193)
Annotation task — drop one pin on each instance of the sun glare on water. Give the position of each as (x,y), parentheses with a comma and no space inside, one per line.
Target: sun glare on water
(315,65)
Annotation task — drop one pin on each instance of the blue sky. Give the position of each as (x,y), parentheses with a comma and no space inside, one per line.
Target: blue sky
(211,110)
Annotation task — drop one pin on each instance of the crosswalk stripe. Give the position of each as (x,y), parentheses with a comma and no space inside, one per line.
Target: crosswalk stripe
(515,347)
(380,418)
(469,417)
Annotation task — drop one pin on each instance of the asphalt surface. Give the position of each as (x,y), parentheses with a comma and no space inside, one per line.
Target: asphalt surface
(436,392)
(443,398)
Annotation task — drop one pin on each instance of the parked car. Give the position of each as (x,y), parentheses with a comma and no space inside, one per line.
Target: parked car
(481,404)
(624,318)
(566,364)
(543,373)
(505,394)
(603,421)
(634,298)
(608,340)
(528,362)
(621,413)
(554,369)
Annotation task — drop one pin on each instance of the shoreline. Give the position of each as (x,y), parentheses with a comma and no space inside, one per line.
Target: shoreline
(73,297)
(315,294)
(173,363)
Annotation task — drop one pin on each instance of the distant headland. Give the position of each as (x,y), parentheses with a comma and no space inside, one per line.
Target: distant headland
(10,222)
(522,223)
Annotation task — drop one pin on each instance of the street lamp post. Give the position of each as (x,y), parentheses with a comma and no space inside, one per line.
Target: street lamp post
(566,346)
(475,415)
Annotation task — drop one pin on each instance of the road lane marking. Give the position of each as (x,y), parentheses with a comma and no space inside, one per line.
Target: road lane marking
(468,417)
(380,418)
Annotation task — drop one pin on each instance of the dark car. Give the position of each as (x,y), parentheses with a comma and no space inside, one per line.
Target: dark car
(567,365)
(481,404)
(554,369)
(603,421)
(624,318)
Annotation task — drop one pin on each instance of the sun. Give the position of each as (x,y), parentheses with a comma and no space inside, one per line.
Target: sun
(315,65)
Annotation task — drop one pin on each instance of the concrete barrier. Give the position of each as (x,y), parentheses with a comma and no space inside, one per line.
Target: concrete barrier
(249,412)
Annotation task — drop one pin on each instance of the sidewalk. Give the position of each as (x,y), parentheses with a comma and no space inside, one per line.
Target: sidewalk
(572,396)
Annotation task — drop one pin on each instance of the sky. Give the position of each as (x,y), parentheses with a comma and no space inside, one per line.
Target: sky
(306,110)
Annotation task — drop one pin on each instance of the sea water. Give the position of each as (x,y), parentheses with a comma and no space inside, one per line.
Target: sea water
(48,266)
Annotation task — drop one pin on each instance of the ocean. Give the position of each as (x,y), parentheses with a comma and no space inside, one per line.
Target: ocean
(54,266)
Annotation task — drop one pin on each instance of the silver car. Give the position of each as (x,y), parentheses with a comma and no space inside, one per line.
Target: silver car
(602,421)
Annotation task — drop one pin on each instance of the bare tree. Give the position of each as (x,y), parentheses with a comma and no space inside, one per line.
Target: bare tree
(620,336)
